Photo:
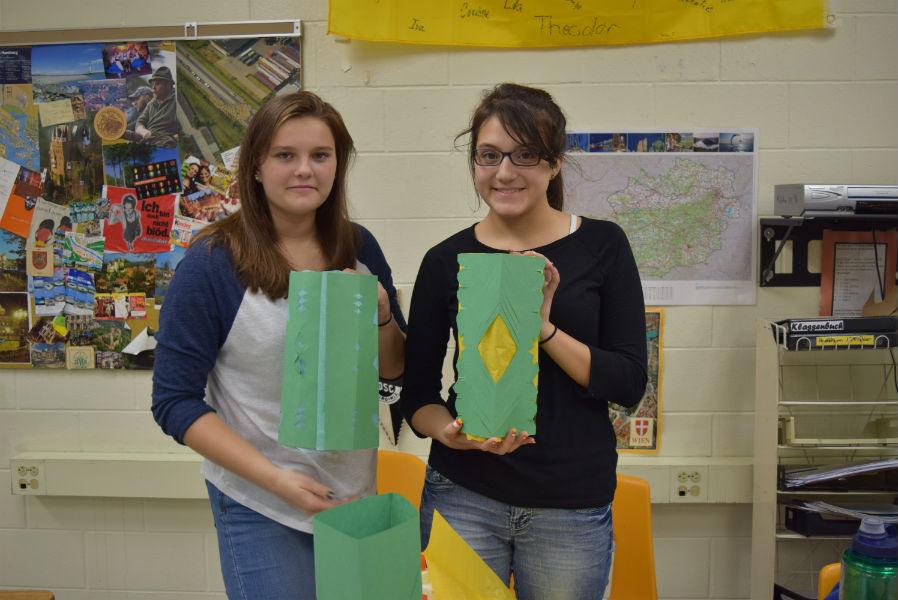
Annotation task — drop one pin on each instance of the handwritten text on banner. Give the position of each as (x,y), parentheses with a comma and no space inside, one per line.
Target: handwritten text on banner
(550,23)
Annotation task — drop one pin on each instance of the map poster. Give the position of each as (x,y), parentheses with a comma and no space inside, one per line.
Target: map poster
(638,429)
(18,125)
(686,199)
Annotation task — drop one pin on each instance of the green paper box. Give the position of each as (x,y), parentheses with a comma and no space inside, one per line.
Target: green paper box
(329,392)
(499,299)
(369,549)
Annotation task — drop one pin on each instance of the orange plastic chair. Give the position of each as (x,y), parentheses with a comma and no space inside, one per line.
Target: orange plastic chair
(827,579)
(401,473)
(633,572)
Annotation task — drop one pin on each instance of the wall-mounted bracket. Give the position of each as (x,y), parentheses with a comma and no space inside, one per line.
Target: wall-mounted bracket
(775,232)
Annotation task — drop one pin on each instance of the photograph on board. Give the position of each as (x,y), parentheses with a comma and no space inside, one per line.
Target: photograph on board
(223,82)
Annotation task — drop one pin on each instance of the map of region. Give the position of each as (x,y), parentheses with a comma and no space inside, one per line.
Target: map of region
(688,217)
(18,125)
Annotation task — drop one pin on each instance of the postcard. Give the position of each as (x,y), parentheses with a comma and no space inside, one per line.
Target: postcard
(17,215)
(9,171)
(80,357)
(56,63)
(83,212)
(110,360)
(28,183)
(78,109)
(15,65)
(120,306)
(48,356)
(46,219)
(44,331)
(156,179)
(138,226)
(112,336)
(183,229)
(99,93)
(205,205)
(13,277)
(82,251)
(56,112)
(71,156)
(39,260)
(16,324)
(79,293)
(230,157)
(49,293)
(134,273)
(126,60)
(122,158)
(166,263)
(81,329)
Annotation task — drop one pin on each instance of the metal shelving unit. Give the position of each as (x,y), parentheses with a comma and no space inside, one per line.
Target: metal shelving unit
(827,395)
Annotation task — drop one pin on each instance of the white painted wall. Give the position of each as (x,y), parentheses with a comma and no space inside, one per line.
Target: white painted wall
(826,106)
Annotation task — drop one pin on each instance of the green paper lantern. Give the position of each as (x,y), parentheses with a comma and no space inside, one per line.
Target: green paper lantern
(369,549)
(499,298)
(329,391)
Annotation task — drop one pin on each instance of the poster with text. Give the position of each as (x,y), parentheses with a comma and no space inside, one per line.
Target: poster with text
(138,226)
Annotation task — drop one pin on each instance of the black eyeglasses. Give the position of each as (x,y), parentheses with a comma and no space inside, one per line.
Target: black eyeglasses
(490,157)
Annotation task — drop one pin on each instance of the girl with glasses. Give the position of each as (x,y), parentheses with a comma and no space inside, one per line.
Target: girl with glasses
(535,506)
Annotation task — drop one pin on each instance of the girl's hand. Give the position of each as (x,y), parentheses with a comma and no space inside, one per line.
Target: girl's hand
(453,437)
(384,310)
(304,492)
(552,279)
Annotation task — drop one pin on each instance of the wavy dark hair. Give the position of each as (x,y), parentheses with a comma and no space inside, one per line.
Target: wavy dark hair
(249,233)
(532,118)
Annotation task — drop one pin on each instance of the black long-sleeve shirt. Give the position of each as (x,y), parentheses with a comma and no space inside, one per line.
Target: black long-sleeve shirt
(599,302)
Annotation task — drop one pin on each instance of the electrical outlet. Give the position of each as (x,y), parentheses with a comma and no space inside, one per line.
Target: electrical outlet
(688,484)
(27,477)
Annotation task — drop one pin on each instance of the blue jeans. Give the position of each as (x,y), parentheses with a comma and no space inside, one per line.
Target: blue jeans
(260,558)
(555,554)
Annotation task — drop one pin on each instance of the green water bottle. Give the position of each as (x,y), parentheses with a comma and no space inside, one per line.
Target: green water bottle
(870,566)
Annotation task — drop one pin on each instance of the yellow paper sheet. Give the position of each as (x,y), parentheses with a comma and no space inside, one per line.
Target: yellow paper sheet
(56,112)
(554,23)
(455,570)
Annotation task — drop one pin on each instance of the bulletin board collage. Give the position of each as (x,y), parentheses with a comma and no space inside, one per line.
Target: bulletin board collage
(112,156)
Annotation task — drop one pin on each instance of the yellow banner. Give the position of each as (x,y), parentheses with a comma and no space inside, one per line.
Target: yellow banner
(551,23)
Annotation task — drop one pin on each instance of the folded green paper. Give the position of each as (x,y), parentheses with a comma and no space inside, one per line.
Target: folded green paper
(329,391)
(369,549)
(499,298)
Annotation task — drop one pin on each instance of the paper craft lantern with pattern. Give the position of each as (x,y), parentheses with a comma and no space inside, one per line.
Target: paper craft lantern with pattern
(499,297)
(369,549)
(329,392)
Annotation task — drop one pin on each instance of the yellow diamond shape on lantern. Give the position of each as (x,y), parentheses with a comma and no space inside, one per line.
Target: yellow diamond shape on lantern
(497,348)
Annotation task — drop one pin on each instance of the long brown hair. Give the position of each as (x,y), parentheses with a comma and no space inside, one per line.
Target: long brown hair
(249,233)
(532,118)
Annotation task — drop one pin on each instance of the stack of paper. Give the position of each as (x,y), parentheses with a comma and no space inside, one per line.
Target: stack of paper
(820,474)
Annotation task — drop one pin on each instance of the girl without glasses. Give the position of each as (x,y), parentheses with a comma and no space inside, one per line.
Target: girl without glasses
(217,375)
(538,507)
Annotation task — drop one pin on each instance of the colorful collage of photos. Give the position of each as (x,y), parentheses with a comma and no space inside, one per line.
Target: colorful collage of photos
(112,157)
(656,141)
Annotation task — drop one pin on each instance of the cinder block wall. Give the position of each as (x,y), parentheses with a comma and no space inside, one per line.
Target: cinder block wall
(825,106)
